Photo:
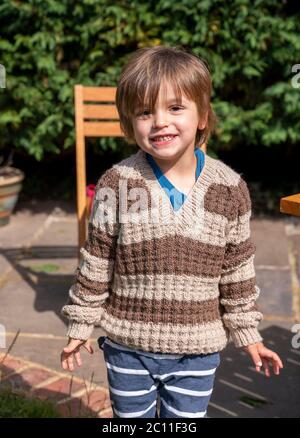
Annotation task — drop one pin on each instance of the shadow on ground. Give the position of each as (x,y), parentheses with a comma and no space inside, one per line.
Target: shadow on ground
(242,392)
(45,270)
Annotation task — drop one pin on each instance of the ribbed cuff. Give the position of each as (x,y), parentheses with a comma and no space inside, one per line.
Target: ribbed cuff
(78,330)
(245,336)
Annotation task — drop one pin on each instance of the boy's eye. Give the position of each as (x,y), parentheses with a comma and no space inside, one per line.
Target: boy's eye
(142,113)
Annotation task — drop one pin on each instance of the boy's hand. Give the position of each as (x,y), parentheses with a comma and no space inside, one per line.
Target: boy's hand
(73,348)
(262,356)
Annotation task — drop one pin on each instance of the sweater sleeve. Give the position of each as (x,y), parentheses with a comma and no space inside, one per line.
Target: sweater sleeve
(237,286)
(94,274)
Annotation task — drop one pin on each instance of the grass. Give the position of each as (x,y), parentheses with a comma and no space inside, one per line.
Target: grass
(254,402)
(15,404)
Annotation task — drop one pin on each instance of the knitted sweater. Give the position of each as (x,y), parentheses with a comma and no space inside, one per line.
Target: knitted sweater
(167,281)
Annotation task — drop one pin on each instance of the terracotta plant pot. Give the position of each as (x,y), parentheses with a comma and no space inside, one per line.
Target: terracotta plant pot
(10,187)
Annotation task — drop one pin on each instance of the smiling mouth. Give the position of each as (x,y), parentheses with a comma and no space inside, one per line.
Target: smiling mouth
(163,139)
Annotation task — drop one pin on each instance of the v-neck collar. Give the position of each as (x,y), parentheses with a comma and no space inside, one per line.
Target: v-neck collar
(187,214)
(160,175)
(179,197)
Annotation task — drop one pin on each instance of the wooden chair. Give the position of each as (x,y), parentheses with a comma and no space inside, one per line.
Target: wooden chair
(96,115)
(290,205)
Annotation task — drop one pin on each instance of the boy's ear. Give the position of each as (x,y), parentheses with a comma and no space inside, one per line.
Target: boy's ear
(203,121)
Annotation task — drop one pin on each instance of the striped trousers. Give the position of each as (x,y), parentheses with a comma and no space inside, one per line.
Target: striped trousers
(137,380)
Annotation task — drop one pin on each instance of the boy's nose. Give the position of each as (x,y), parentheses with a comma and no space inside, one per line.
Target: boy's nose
(160,120)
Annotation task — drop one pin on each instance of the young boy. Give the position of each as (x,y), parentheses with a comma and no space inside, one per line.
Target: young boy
(167,270)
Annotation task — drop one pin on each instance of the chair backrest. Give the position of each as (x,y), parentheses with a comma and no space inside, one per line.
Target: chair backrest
(96,115)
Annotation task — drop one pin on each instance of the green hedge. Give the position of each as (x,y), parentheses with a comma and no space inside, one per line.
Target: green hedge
(48,46)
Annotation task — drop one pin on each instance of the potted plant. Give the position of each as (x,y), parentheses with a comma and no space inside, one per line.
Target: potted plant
(10,186)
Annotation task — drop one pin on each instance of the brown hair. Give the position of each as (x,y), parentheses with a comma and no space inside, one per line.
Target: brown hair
(147,68)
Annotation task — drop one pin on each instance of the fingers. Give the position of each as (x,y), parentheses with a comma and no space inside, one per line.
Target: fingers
(70,363)
(78,358)
(262,356)
(258,365)
(67,362)
(276,363)
(88,347)
(266,367)
(73,347)
(71,351)
(256,359)
(272,358)
(276,368)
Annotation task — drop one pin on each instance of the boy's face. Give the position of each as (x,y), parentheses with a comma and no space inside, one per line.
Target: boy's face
(169,117)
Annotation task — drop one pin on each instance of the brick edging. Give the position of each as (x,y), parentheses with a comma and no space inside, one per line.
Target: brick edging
(72,395)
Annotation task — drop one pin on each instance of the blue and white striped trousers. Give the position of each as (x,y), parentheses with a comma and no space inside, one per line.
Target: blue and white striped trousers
(183,383)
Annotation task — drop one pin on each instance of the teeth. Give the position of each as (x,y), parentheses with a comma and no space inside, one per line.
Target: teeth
(163,138)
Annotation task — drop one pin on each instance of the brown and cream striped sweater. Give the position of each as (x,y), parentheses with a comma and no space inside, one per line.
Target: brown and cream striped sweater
(168,281)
